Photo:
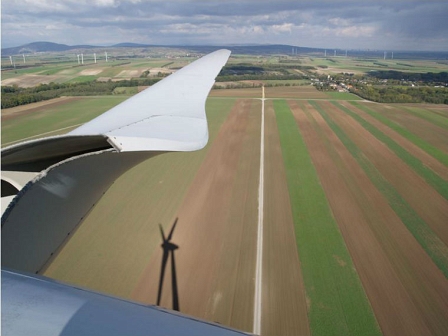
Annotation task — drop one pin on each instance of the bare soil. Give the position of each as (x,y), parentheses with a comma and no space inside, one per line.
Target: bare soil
(216,231)
(32,80)
(91,72)
(129,73)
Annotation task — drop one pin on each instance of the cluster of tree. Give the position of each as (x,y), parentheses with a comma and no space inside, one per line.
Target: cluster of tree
(15,96)
(392,94)
(429,77)
(249,69)
(144,74)
(241,69)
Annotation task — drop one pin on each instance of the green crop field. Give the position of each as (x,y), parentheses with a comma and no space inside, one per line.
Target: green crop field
(338,307)
(341,63)
(52,119)
(342,96)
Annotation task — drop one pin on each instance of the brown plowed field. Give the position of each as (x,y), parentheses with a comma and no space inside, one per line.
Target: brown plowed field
(298,92)
(284,301)
(408,293)
(405,180)
(420,154)
(216,231)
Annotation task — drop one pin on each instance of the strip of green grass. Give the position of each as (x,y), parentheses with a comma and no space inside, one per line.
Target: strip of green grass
(49,119)
(82,79)
(434,118)
(53,70)
(342,95)
(430,242)
(428,148)
(126,90)
(338,305)
(427,174)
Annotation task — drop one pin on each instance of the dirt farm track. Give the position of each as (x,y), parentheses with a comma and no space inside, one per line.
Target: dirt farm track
(355,219)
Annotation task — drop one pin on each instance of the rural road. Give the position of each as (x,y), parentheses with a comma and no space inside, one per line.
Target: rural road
(259,266)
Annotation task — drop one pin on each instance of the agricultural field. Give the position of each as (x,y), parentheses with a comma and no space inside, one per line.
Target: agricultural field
(355,240)
(340,63)
(65,68)
(73,72)
(57,116)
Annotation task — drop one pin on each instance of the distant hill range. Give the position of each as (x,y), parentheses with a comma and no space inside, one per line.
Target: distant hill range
(37,47)
(268,49)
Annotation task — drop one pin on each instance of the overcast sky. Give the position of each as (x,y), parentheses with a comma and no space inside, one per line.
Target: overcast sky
(362,24)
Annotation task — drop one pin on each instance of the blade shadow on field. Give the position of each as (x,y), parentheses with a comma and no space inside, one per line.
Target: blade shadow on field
(169,248)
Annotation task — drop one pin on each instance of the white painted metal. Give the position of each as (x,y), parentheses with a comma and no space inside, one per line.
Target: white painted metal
(169,115)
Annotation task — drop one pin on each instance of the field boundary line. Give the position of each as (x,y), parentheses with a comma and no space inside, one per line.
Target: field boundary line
(259,263)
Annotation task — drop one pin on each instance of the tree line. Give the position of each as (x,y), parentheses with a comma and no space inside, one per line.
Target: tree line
(428,77)
(434,95)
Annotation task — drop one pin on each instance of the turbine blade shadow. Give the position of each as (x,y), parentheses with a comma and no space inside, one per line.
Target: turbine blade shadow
(161,232)
(172,229)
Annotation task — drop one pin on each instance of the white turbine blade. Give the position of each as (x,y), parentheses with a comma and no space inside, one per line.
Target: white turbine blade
(169,115)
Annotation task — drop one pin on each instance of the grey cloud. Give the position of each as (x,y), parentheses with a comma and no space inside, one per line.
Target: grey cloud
(369,24)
